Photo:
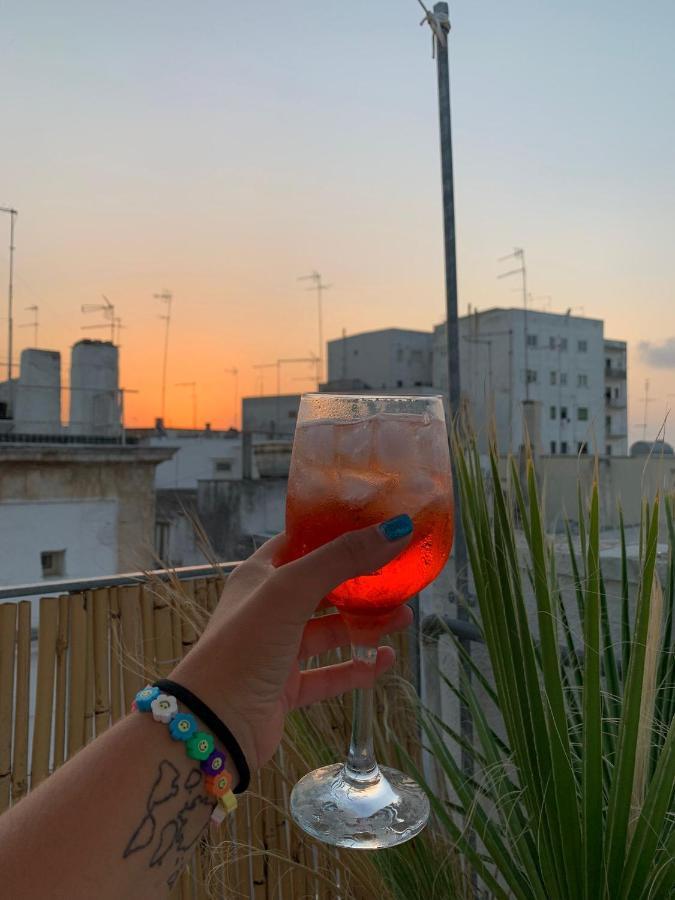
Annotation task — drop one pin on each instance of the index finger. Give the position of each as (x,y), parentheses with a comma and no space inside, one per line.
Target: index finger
(354,553)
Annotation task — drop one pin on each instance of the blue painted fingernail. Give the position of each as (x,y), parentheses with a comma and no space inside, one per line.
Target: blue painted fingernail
(397,528)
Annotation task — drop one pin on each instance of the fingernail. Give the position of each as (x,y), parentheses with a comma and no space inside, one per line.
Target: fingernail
(397,528)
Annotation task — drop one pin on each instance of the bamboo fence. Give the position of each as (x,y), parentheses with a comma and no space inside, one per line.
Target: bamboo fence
(94,650)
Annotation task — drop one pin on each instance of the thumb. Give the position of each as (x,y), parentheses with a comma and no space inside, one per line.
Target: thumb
(348,556)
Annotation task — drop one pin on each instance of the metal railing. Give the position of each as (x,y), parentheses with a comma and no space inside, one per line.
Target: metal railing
(71,586)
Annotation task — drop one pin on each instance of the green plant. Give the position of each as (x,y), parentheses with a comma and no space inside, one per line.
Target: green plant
(577,800)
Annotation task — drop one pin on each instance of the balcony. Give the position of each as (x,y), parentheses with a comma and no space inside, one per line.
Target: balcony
(615,403)
(615,372)
(70,665)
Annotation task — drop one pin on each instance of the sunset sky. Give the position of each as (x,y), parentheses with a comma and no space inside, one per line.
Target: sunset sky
(223,149)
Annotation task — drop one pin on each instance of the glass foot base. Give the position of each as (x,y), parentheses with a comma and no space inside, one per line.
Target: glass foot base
(384,812)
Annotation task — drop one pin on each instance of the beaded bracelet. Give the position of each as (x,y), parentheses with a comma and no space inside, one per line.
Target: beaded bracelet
(199,746)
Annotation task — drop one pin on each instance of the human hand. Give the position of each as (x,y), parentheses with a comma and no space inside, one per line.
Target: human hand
(246,665)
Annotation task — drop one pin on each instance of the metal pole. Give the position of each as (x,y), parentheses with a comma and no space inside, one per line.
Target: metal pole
(165,297)
(10,302)
(452,335)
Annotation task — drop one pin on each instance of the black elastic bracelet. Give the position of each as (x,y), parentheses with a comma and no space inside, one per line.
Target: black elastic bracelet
(211,720)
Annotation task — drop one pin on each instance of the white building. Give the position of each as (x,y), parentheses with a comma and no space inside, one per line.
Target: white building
(557,361)
(382,360)
(197,455)
(616,400)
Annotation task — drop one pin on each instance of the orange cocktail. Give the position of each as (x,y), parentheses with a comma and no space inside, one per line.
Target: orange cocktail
(349,474)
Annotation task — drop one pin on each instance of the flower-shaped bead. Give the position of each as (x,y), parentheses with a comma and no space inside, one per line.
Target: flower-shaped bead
(218,785)
(144,698)
(214,764)
(164,708)
(182,727)
(200,745)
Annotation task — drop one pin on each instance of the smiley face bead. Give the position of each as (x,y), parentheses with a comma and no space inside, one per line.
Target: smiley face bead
(182,727)
(144,698)
(214,764)
(200,746)
(218,785)
(164,708)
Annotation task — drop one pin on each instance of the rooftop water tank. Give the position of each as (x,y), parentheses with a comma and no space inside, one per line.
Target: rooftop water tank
(94,389)
(37,400)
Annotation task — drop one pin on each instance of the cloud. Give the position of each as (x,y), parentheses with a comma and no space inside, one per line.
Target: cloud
(660,356)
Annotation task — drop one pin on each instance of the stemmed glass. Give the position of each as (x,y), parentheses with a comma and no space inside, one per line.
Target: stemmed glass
(358,461)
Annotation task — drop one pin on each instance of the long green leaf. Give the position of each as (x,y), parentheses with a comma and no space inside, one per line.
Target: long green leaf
(619,806)
(592,707)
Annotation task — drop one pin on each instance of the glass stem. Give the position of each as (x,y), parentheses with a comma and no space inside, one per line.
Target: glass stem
(361,767)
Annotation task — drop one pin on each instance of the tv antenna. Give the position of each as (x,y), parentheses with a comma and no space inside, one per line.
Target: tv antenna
(319,287)
(33,324)
(519,254)
(646,401)
(193,385)
(439,22)
(166,297)
(108,311)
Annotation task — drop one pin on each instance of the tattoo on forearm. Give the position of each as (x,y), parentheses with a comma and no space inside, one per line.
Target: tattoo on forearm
(174,818)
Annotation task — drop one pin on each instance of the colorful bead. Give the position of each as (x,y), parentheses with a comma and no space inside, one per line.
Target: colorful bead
(228,802)
(214,764)
(164,708)
(145,697)
(218,785)
(182,726)
(200,745)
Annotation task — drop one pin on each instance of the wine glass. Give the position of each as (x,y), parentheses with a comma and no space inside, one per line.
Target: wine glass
(358,461)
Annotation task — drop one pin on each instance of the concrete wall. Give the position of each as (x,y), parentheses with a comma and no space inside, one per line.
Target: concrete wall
(197,458)
(234,511)
(38,393)
(86,529)
(125,476)
(271,416)
(623,480)
(384,360)
(94,389)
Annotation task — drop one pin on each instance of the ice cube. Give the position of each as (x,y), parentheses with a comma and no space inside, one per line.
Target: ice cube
(363,488)
(315,442)
(396,441)
(355,444)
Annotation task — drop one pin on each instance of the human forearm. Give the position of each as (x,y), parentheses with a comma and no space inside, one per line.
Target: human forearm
(120,819)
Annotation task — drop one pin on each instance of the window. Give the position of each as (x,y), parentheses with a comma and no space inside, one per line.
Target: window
(553,378)
(531,376)
(563,446)
(563,412)
(562,345)
(292,414)
(563,378)
(399,383)
(616,393)
(608,395)
(608,423)
(552,448)
(53,563)
(532,340)
(356,353)
(551,343)
(608,450)
(582,447)
(223,465)
(582,413)
(552,412)
(608,363)
(582,380)
(582,346)
(161,541)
